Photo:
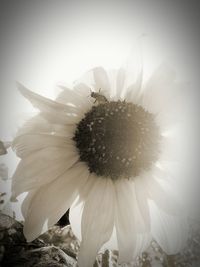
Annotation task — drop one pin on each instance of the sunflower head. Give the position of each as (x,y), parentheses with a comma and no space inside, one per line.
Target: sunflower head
(117,139)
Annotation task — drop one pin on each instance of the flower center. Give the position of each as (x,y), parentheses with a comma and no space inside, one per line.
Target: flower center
(117,139)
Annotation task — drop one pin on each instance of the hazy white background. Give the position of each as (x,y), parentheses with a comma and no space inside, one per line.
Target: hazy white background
(45,43)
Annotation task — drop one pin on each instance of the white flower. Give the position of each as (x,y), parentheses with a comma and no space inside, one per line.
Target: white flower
(109,145)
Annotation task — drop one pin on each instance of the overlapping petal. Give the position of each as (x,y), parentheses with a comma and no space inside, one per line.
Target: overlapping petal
(97,221)
(171,232)
(40,168)
(52,200)
(120,83)
(129,223)
(51,110)
(26,144)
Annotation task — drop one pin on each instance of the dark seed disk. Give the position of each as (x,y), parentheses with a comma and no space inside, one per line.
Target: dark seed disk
(117,139)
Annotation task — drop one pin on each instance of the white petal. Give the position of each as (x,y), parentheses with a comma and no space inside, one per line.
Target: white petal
(173,147)
(163,197)
(97,221)
(124,222)
(173,108)
(40,168)
(167,118)
(101,79)
(36,124)
(162,75)
(75,215)
(79,97)
(142,243)
(141,194)
(26,202)
(53,200)
(85,191)
(127,226)
(76,209)
(141,225)
(51,110)
(26,144)
(120,83)
(160,89)
(82,90)
(68,96)
(112,243)
(85,93)
(171,232)
(134,63)
(42,103)
(134,91)
(39,125)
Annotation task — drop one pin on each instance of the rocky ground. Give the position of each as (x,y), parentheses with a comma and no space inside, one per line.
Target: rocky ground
(59,247)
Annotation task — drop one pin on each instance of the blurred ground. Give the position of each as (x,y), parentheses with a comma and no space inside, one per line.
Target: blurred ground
(59,247)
